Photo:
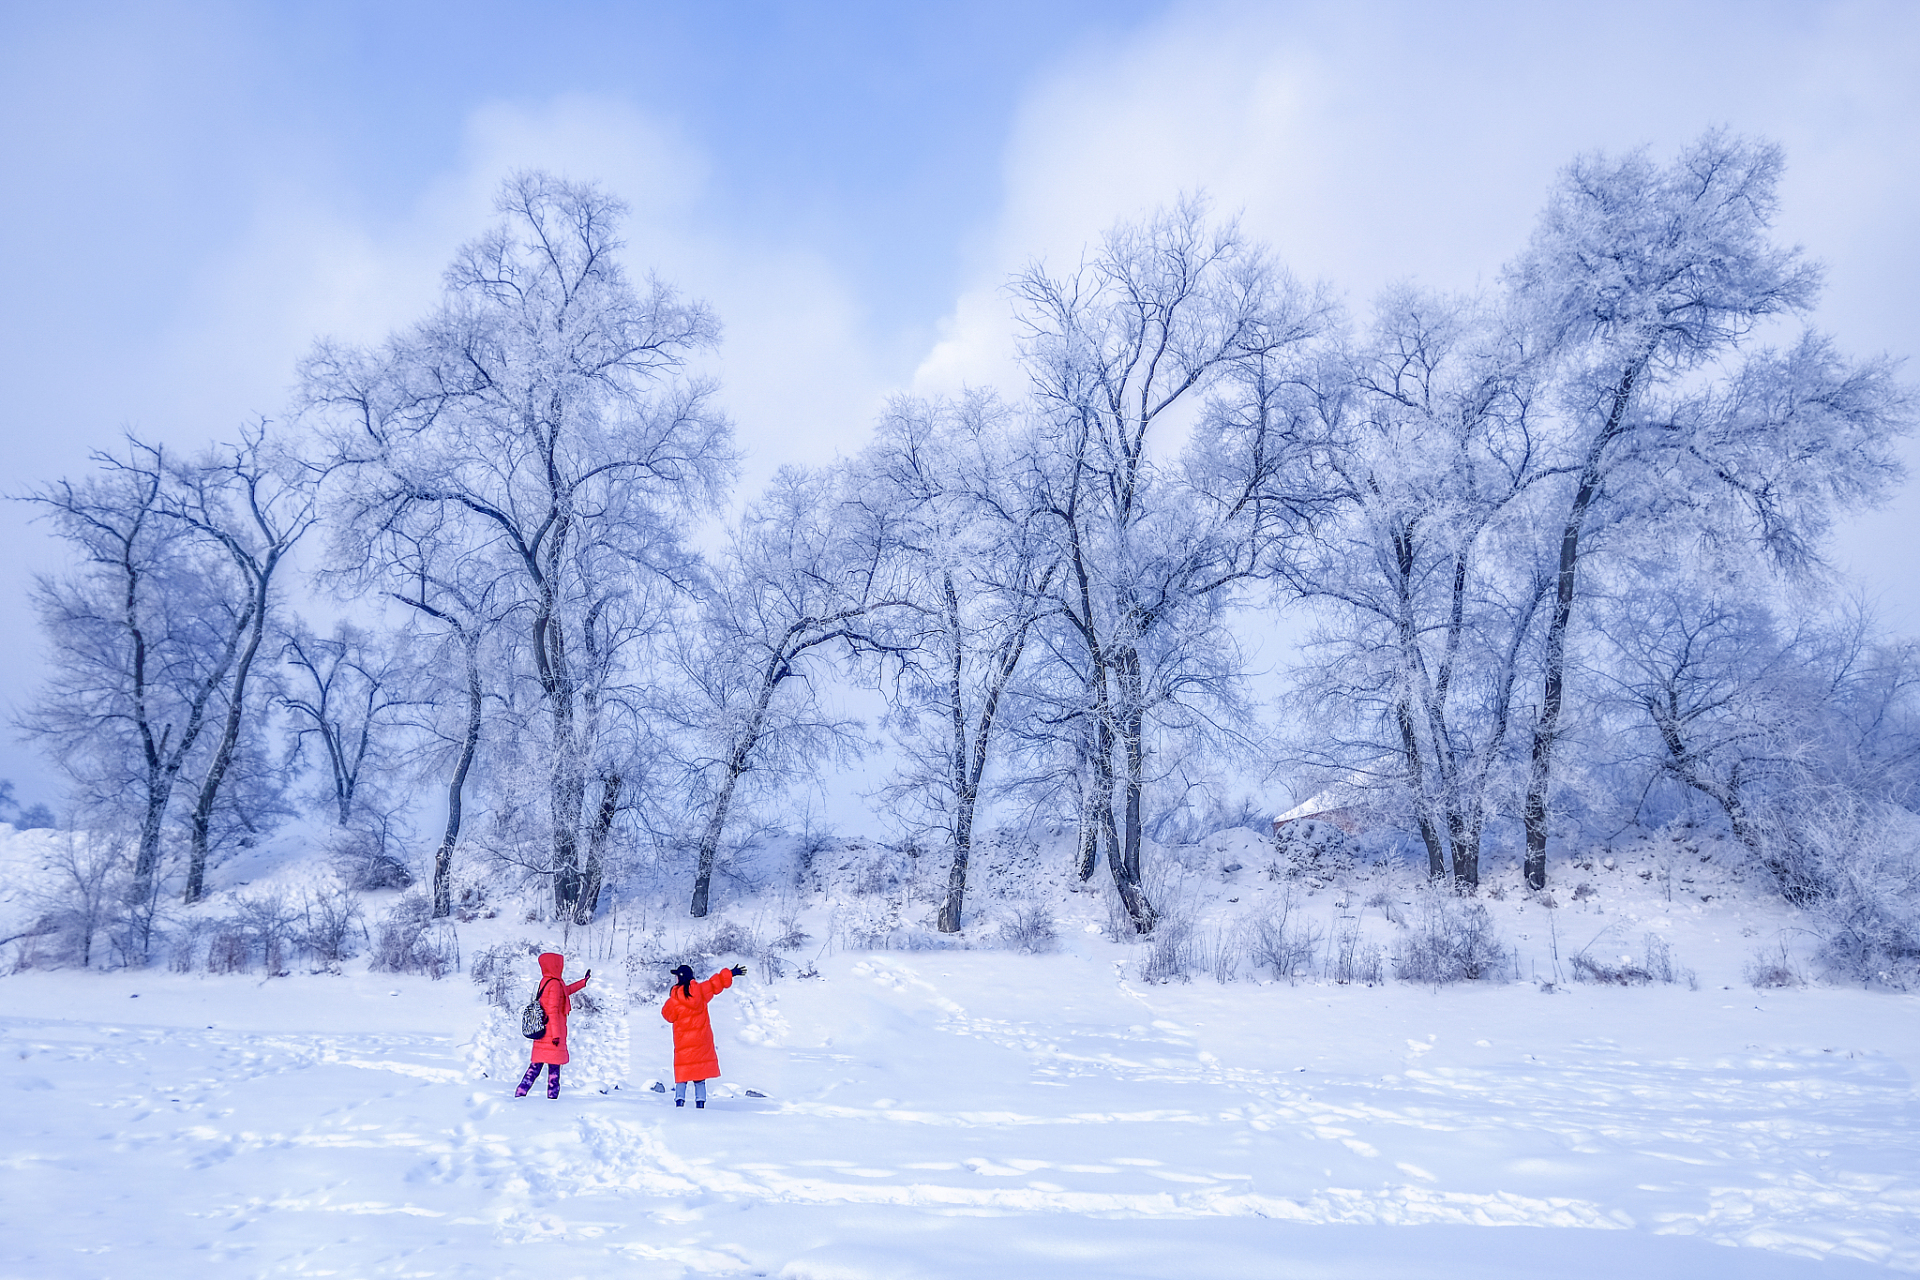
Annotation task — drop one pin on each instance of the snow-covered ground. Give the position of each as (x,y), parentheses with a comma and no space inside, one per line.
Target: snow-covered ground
(980,1113)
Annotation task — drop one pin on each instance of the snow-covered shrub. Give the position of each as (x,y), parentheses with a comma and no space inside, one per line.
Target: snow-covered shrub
(472,901)
(500,973)
(857,868)
(649,960)
(788,932)
(1450,939)
(1280,940)
(329,916)
(363,861)
(1383,902)
(81,899)
(186,944)
(866,924)
(1654,964)
(269,923)
(1352,958)
(651,956)
(1772,966)
(228,948)
(30,948)
(1173,951)
(1865,864)
(409,940)
(1221,951)
(728,938)
(1030,930)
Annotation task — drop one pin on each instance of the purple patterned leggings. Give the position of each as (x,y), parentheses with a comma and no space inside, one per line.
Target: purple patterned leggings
(533,1073)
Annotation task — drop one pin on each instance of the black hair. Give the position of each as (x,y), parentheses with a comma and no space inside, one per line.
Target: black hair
(685,974)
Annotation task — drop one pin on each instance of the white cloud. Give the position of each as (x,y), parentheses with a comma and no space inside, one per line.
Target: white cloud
(797,372)
(1371,142)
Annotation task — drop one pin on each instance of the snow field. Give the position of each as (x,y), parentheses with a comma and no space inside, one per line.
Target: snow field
(964,1113)
(1092,1123)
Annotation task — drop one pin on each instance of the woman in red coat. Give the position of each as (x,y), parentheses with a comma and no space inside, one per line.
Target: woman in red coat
(550,1050)
(686,1009)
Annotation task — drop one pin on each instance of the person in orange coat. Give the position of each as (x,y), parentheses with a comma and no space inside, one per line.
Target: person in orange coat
(686,1008)
(550,1050)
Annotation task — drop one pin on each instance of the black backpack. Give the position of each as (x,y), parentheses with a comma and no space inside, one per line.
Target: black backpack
(533,1018)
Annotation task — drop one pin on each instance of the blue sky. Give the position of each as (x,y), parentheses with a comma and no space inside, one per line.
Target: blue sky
(194,191)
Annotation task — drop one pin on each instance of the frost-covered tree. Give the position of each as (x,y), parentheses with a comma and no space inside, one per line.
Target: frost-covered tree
(1649,283)
(813,574)
(545,417)
(983,560)
(344,693)
(1763,703)
(144,636)
(1425,575)
(1149,323)
(255,502)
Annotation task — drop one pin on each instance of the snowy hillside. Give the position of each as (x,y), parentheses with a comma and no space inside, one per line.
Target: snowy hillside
(979,1112)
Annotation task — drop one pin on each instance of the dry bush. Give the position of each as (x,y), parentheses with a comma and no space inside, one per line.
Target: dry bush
(788,932)
(651,956)
(1654,964)
(1353,959)
(409,940)
(228,948)
(1220,953)
(1773,966)
(364,861)
(499,971)
(268,923)
(1280,940)
(329,917)
(1859,868)
(1031,930)
(1450,939)
(1173,951)
(31,949)
(186,944)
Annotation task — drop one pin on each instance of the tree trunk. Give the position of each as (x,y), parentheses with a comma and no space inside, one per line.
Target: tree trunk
(147,861)
(229,738)
(1086,856)
(456,785)
(163,765)
(777,670)
(568,789)
(597,849)
(963,795)
(710,838)
(973,765)
(949,921)
(1539,773)
(1123,856)
(1416,775)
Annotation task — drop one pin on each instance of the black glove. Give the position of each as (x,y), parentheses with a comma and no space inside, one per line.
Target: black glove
(739,971)
(589,975)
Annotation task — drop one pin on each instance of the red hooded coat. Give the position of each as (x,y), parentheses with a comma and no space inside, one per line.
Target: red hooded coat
(555,993)
(693,1055)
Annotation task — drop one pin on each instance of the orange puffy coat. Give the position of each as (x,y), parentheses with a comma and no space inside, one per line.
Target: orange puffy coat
(555,993)
(693,1055)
